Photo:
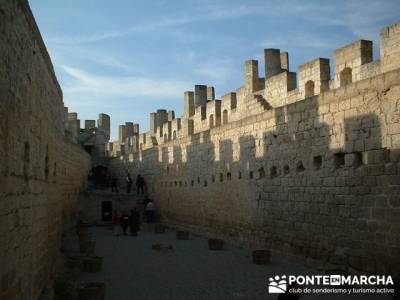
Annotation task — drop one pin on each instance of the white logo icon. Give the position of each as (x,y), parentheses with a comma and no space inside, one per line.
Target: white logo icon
(277,285)
(335,280)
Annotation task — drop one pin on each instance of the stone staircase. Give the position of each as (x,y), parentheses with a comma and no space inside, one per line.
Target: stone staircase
(257,104)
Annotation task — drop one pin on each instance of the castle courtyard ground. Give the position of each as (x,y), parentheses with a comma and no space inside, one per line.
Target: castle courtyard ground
(131,270)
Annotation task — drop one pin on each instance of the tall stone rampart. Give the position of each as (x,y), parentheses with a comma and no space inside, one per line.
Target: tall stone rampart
(311,171)
(41,170)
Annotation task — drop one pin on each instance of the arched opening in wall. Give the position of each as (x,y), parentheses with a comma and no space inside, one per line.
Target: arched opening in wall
(240,175)
(345,76)
(221,177)
(225,117)
(273,172)
(338,160)
(100,176)
(286,169)
(357,159)
(309,89)
(261,173)
(300,167)
(229,176)
(89,149)
(46,164)
(211,121)
(317,162)
(165,138)
(212,178)
(174,135)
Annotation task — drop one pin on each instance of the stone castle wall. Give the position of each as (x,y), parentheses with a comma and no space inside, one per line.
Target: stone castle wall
(41,171)
(313,173)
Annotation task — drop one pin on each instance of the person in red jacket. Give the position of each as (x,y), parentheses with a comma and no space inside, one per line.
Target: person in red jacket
(116,221)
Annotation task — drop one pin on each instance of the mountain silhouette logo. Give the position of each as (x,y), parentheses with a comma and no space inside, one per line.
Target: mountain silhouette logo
(277,284)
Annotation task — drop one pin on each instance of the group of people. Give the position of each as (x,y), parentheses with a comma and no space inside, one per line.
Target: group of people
(123,221)
(140,183)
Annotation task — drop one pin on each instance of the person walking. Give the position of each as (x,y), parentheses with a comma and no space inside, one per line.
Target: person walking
(116,219)
(114,183)
(134,222)
(129,182)
(140,184)
(150,211)
(124,222)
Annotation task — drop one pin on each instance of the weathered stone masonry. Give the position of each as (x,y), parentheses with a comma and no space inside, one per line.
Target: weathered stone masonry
(311,170)
(41,170)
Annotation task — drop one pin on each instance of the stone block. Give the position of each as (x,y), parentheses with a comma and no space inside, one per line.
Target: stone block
(92,290)
(261,257)
(215,244)
(182,235)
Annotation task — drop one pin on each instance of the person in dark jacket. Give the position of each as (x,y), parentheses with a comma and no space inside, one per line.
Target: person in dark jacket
(129,182)
(150,211)
(114,183)
(140,184)
(124,222)
(134,220)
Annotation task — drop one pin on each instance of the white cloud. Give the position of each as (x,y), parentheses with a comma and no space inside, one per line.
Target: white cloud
(359,16)
(218,71)
(206,13)
(298,40)
(83,84)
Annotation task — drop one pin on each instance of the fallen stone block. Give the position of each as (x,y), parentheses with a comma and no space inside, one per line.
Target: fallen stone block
(215,244)
(87,247)
(85,236)
(75,261)
(182,235)
(261,257)
(92,264)
(159,228)
(92,291)
(162,247)
(82,230)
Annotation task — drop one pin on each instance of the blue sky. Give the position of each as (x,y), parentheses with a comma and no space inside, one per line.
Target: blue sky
(128,58)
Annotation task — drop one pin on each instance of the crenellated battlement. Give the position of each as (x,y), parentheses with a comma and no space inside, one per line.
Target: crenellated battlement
(279,87)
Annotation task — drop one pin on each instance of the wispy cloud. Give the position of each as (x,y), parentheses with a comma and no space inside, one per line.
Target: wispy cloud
(361,18)
(72,53)
(217,71)
(357,16)
(298,40)
(206,14)
(98,86)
